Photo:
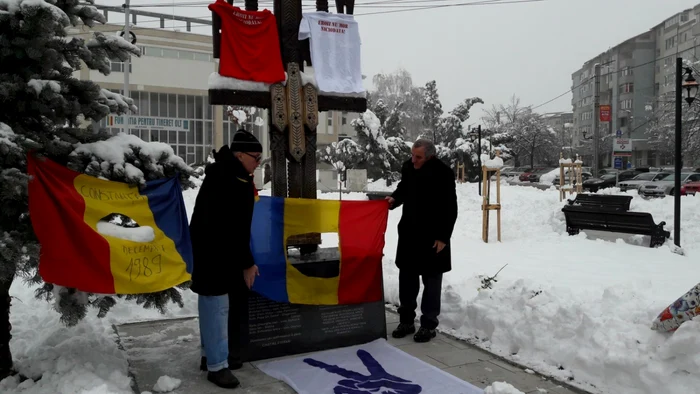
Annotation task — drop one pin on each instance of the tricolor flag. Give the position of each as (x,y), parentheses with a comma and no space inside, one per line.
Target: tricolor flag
(360,226)
(81,245)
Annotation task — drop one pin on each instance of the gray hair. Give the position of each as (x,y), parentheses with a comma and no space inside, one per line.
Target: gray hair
(428,145)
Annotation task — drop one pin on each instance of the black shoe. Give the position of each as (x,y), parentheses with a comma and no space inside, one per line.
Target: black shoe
(403,329)
(424,335)
(223,378)
(203,364)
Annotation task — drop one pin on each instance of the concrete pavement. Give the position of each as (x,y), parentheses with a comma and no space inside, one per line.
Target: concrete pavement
(171,347)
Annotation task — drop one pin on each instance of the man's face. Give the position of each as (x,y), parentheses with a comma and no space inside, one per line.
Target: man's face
(250,160)
(418,157)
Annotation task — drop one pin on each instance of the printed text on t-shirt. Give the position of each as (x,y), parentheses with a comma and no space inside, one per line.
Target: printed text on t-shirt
(333,27)
(248,19)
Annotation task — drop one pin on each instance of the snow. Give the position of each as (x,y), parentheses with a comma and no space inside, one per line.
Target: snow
(564,161)
(40,84)
(496,162)
(112,99)
(577,307)
(26,6)
(115,149)
(166,384)
(6,137)
(219,82)
(216,81)
(501,388)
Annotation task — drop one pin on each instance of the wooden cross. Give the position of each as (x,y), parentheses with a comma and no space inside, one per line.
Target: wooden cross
(293,108)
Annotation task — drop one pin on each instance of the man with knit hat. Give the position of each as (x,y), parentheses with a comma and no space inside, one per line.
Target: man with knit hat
(224,270)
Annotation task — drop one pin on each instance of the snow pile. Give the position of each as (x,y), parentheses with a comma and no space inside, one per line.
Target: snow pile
(166,384)
(496,162)
(548,178)
(380,186)
(39,84)
(501,388)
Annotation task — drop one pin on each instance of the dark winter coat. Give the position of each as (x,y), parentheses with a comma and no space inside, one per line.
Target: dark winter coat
(429,213)
(220,226)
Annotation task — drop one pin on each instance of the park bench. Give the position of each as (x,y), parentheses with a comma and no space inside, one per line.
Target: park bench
(585,218)
(602,202)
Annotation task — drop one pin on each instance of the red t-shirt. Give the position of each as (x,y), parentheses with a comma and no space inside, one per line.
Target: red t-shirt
(250,48)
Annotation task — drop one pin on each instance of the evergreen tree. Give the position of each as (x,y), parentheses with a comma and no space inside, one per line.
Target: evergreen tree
(45,108)
(432,110)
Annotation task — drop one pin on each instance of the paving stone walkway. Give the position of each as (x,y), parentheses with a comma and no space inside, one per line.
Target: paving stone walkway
(171,347)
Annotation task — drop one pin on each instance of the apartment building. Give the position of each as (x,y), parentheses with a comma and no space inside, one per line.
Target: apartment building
(635,74)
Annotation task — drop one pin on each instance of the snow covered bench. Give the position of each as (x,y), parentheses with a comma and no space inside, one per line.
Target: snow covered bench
(602,202)
(585,218)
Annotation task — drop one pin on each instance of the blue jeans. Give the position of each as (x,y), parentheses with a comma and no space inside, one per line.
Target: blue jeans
(213,330)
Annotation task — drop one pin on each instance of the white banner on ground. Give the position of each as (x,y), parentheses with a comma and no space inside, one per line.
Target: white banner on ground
(375,367)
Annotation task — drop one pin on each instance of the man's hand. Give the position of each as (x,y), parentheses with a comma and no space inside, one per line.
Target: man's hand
(391,200)
(439,245)
(249,275)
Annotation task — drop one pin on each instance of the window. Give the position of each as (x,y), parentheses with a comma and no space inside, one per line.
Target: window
(172,106)
(626,104)
(627,88)
(671,43)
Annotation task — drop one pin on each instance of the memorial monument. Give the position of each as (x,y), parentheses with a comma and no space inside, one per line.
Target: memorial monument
(278,329)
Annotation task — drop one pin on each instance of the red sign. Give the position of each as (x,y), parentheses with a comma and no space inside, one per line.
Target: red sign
(605,113)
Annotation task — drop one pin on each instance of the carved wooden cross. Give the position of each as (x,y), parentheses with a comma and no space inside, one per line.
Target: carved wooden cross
(293,108)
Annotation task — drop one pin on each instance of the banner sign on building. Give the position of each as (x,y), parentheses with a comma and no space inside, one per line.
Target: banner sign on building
(622,147)
(605,113)
(149,122)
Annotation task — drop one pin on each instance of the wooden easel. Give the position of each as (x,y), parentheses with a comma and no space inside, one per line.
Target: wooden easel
(461,173)
(486,205)
(575,185)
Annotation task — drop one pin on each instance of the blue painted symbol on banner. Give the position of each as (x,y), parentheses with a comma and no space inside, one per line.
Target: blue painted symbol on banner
(378,381)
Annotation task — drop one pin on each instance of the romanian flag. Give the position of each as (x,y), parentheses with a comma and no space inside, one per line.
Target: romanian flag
(77,217)
(360,226)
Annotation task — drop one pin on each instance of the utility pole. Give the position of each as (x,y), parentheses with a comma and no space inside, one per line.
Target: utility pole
(677,180)
(596,121)
(127,63)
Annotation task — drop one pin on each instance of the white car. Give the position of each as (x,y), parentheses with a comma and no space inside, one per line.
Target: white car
(664,187)
(639,180)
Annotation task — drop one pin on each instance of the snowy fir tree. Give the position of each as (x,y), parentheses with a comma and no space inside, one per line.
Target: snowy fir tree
(432,110)
(48,110)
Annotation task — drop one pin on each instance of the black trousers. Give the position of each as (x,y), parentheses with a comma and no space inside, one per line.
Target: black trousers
(409,286)
(238,338)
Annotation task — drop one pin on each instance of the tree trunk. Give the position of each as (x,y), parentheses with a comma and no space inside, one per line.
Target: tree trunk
(5,329)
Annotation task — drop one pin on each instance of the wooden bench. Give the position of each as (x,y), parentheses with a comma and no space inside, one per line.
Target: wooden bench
(586,218)
(602,202)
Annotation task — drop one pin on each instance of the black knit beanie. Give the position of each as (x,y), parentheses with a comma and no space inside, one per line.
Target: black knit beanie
(244,141)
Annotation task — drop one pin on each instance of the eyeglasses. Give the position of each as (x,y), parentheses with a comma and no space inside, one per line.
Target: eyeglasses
(257,158)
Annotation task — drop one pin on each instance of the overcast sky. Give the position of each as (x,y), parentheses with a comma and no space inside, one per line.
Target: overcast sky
(490,51)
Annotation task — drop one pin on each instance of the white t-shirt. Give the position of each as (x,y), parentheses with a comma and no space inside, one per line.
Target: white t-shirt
(335,51)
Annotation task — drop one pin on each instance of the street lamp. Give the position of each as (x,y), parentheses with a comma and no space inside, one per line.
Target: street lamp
(690,85)
(476,137)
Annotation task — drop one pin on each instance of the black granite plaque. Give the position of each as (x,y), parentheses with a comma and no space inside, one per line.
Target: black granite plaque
(283,329)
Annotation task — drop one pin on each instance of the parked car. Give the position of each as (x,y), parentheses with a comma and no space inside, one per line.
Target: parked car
(525,175)
(690,188)
(504,171)
(602,182)
(665,186)
(513,172)
(584,176)
(636,182)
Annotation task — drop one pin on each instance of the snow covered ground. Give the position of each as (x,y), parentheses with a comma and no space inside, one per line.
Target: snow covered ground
(572,307)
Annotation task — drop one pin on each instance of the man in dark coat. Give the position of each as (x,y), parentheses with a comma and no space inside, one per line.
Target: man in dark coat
(223,269)
(427,193)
